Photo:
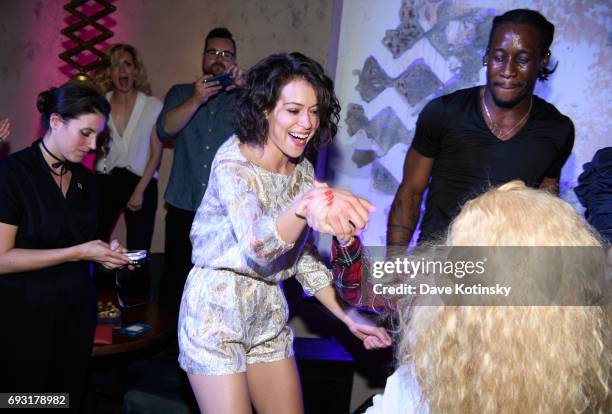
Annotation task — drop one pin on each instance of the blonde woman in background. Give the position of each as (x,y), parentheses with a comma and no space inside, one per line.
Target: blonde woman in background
(512,359)
(127,169)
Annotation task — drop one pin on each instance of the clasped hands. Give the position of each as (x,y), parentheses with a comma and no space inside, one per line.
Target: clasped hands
(334,211)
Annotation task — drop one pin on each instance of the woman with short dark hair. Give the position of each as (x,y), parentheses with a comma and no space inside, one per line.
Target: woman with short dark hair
(251,232)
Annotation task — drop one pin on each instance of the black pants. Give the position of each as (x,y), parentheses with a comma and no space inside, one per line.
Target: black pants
(114,192)
(177,255)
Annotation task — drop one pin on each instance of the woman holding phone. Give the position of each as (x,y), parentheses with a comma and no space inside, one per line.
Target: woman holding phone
(48,224)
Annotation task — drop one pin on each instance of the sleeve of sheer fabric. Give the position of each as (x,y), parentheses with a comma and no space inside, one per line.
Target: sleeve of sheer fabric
(254,226)
(312,273)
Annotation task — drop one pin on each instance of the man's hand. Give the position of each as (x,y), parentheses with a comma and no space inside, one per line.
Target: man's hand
(238,75)
(348,214)
(204,90)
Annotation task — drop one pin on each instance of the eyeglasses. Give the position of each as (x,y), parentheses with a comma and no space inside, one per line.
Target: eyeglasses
(224,54)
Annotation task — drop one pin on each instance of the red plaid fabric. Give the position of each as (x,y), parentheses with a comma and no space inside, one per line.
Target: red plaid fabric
(348,271)
(351,277)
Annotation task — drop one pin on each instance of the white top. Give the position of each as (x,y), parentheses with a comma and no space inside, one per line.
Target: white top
(401,396)
(131,150)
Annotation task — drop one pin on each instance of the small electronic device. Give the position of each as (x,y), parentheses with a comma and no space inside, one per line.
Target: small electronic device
(135,329)
(224,80)
(137,256)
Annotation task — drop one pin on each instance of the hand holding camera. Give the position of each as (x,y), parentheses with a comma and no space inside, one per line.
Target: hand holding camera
(205,88)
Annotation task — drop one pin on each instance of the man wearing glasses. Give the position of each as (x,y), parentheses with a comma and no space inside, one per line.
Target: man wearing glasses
(198,116)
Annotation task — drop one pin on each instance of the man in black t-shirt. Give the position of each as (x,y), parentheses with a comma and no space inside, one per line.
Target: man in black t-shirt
(475,138)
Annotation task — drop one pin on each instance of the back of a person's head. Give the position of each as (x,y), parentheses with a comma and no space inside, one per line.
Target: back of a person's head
(512,359)
(516,215)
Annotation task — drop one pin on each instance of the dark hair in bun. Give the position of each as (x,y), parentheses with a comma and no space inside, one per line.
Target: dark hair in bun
(70,101)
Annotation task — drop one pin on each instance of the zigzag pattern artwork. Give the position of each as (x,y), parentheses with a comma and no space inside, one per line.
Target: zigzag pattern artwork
(451,59)
(459,38)
(85,33)
(414,84)
(385,128)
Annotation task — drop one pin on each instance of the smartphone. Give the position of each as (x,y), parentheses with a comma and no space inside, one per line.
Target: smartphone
(224,80)
(137,256)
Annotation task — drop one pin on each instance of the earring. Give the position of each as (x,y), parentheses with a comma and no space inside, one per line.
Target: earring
(484,61)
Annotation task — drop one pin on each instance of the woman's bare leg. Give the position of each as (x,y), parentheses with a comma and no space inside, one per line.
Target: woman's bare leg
(275,387)
(221,394)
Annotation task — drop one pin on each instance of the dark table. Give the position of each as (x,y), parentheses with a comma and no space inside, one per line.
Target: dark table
(161,319)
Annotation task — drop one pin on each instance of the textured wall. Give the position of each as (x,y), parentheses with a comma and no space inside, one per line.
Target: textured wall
(410,51)
(170,36)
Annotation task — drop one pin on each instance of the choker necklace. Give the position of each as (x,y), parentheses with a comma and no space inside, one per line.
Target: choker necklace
(59,163)
(495,127)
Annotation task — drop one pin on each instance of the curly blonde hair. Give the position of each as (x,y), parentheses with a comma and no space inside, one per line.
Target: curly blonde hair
(103,77)
(514,359)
